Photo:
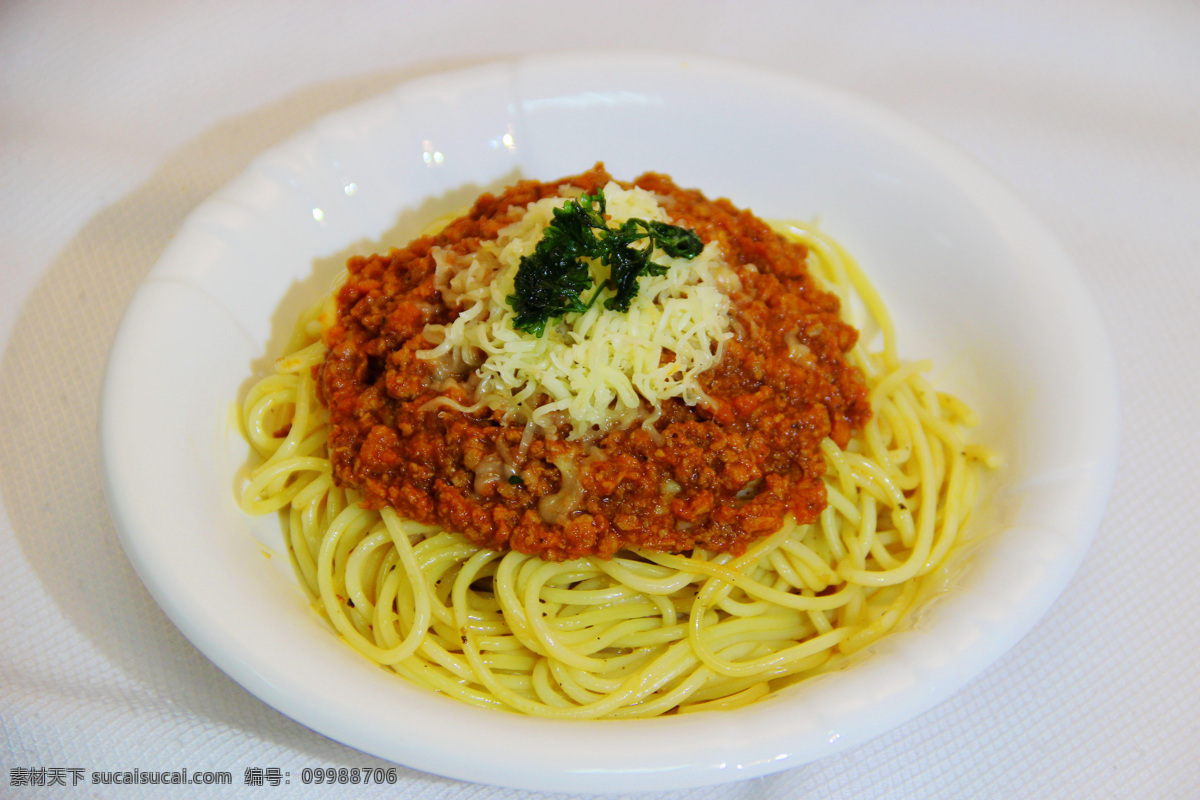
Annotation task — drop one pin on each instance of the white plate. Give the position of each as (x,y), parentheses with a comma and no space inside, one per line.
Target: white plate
(974,280)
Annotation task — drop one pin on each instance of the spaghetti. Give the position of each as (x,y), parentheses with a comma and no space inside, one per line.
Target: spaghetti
(642,633)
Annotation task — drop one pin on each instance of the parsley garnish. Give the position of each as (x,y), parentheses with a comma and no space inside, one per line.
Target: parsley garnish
(549,282)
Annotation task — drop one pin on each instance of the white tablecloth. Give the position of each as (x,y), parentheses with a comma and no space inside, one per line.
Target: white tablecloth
(117,119)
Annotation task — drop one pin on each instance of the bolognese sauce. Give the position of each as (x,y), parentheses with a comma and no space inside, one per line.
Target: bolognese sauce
(715,475)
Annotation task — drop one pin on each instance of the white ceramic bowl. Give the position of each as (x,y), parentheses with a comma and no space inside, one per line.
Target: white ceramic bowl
(974,281)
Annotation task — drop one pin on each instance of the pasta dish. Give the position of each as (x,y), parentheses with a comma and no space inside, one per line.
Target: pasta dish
(597,449)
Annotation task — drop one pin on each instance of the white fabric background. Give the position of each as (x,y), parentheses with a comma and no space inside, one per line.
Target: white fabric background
(117,119)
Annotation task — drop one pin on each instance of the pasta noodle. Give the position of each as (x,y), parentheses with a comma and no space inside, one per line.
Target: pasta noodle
(644,633)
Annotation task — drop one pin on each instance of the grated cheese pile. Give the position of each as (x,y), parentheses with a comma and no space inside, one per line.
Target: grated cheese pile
(593,371)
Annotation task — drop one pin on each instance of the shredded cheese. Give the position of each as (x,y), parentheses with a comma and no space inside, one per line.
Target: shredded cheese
(588,372)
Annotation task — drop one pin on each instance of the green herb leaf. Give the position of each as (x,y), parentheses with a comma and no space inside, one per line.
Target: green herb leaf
(625,265)
(675,241)
(548,286)
(549,282)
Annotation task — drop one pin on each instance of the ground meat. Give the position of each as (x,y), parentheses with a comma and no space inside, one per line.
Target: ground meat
(716,477)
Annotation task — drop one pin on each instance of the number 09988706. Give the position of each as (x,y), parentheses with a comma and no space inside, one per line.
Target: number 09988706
(348,775)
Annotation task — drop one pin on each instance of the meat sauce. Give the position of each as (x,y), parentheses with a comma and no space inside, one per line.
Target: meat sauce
(716,477)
